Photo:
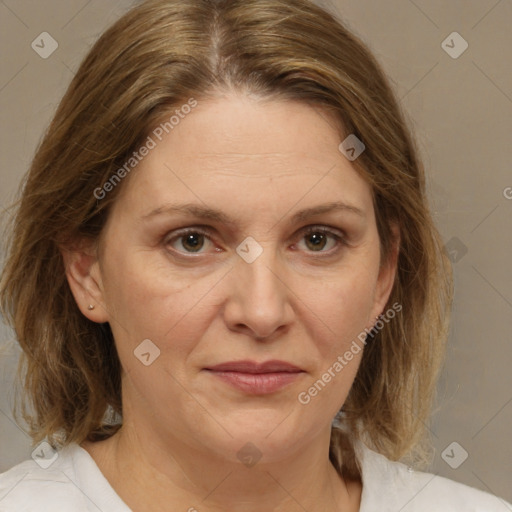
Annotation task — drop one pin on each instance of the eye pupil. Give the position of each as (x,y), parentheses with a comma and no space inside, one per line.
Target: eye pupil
(195,241)
(319,240)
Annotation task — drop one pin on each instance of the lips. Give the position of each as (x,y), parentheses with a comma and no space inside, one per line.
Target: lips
(255,378)
(273,366)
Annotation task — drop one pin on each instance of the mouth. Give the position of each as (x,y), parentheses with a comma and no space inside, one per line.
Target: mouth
(246,366)
(256,378)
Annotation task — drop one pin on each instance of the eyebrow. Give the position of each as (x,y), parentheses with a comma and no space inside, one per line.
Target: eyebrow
(204,212)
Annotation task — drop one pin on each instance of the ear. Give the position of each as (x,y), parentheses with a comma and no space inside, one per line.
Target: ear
(84,278)
(386,278)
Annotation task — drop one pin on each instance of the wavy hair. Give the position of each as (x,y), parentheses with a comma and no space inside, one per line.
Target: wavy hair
(152,60)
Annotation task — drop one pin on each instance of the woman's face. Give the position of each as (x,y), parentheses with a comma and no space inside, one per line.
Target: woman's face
(230,242)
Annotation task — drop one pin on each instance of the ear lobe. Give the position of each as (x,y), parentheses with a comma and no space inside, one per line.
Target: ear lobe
(387,275)
(84,279)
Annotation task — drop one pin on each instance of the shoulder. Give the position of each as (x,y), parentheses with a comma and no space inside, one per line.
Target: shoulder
(390,486)
(45,483)
(63,480)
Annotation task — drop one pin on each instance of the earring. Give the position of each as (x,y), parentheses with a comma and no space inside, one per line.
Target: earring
(90,307)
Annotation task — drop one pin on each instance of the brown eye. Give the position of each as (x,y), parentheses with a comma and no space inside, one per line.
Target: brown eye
(191,241)
(322,240)
(316,241)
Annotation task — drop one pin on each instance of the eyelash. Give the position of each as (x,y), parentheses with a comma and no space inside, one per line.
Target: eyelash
(309,230)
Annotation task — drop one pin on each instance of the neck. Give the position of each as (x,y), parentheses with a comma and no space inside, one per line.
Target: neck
(150,473)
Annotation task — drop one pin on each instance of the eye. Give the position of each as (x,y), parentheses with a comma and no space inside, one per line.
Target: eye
(317,238)
(189,241)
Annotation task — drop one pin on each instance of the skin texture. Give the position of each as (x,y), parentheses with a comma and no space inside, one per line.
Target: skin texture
(259,162)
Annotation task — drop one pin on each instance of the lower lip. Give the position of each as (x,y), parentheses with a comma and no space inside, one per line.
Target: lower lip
(257,383)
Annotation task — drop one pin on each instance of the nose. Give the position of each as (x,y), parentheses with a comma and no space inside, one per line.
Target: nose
(259,298)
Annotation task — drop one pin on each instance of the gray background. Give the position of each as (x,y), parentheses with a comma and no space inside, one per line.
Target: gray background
(461,109)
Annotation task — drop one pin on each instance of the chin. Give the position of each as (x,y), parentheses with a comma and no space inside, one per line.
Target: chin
(267,438)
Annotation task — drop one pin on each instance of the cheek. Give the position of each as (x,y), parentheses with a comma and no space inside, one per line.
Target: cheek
(344,304)
(132,296)
(172,310)
(147,300)
(340,316)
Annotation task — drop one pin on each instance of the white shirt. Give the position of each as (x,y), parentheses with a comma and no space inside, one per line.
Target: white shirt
(74,483)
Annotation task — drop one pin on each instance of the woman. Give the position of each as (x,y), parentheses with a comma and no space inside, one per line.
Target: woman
(224,275)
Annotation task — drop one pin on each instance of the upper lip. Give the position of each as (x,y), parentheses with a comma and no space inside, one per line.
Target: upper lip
(255,367)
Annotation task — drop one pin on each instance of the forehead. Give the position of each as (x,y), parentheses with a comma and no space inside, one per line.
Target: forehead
(261,152)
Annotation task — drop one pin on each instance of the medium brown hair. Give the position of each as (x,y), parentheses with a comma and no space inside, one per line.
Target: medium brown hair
(154,59)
